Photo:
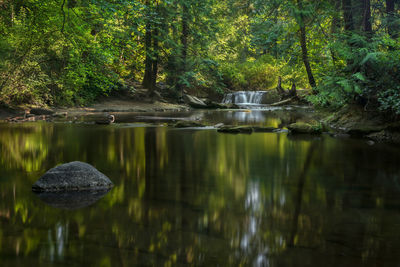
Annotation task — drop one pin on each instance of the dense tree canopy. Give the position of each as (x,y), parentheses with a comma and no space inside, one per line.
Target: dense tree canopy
(72,51)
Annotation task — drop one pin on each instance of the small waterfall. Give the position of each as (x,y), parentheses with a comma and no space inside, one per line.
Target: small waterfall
(244,97)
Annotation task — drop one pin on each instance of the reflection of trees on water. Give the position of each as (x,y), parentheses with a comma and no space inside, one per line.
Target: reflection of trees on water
(200,197)
(299,194)
(272,118)
(57,240)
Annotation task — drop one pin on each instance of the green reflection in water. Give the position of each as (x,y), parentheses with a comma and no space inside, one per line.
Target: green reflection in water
(201,198)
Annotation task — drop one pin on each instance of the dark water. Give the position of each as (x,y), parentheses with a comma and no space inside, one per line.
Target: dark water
(197,197)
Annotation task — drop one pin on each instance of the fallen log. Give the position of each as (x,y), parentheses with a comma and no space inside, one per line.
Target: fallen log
(284,102)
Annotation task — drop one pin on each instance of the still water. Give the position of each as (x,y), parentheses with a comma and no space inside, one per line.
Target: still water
(201,198)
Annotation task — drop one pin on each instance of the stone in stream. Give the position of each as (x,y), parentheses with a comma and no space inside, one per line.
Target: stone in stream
(214,105)
(188,124)
(262,129)
(219,125)
(304,128)
(235,129)
(105,120)
(73,176)
(246,129)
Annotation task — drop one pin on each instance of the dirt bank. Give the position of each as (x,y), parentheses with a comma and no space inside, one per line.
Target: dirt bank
(120,105)
(106,105)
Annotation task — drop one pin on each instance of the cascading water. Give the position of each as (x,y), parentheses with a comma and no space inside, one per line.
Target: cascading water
(244,97)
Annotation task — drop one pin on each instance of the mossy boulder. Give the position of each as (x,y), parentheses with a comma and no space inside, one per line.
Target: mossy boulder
(235,129)
(187,124)
(214,105)
(262,129)
(246,129)
(305,128)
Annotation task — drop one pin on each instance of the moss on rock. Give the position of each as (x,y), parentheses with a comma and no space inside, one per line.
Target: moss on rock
(305,128)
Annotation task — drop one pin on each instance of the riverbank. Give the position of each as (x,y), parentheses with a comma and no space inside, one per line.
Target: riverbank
(351,120)
(112,104)
(356,121)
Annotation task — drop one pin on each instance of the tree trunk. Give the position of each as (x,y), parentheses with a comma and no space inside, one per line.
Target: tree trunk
(367,25)
(335,19)
(185,34)
(154,70)
(293,91)
(279,88)
(348,25)
(347,15)
(335,26)
(184,42)
(304,51)
(357,9)
(275,40)
(391,27)
(147,79)
(12,14)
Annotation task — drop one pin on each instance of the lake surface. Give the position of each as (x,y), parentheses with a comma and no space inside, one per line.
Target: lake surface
(202,198)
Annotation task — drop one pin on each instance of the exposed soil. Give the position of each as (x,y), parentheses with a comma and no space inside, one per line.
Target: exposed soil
(120,105)
(112,104)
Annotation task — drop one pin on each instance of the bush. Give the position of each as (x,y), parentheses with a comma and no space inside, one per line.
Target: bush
(370,77)
(262,74)
(389,100)
(249,75)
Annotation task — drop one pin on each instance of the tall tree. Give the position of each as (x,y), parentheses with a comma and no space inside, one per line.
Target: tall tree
(335,26)
(180,64)
(392,29)
(347,15)
(184,34)
(303,43)
(367,25)
(148,78)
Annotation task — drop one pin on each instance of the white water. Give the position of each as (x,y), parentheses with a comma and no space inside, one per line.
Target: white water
(244,97)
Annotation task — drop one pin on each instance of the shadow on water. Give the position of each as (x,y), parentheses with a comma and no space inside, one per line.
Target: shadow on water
(188,197)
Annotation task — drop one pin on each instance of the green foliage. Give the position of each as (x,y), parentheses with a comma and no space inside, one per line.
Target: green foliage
(49,59)
(389,100)
(262,74)
(250,75)
(53,53)
(372,73)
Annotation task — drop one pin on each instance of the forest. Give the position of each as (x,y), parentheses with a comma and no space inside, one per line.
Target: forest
(70,52)
(199,133)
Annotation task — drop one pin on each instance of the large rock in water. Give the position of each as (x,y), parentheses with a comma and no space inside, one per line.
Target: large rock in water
(73,176)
